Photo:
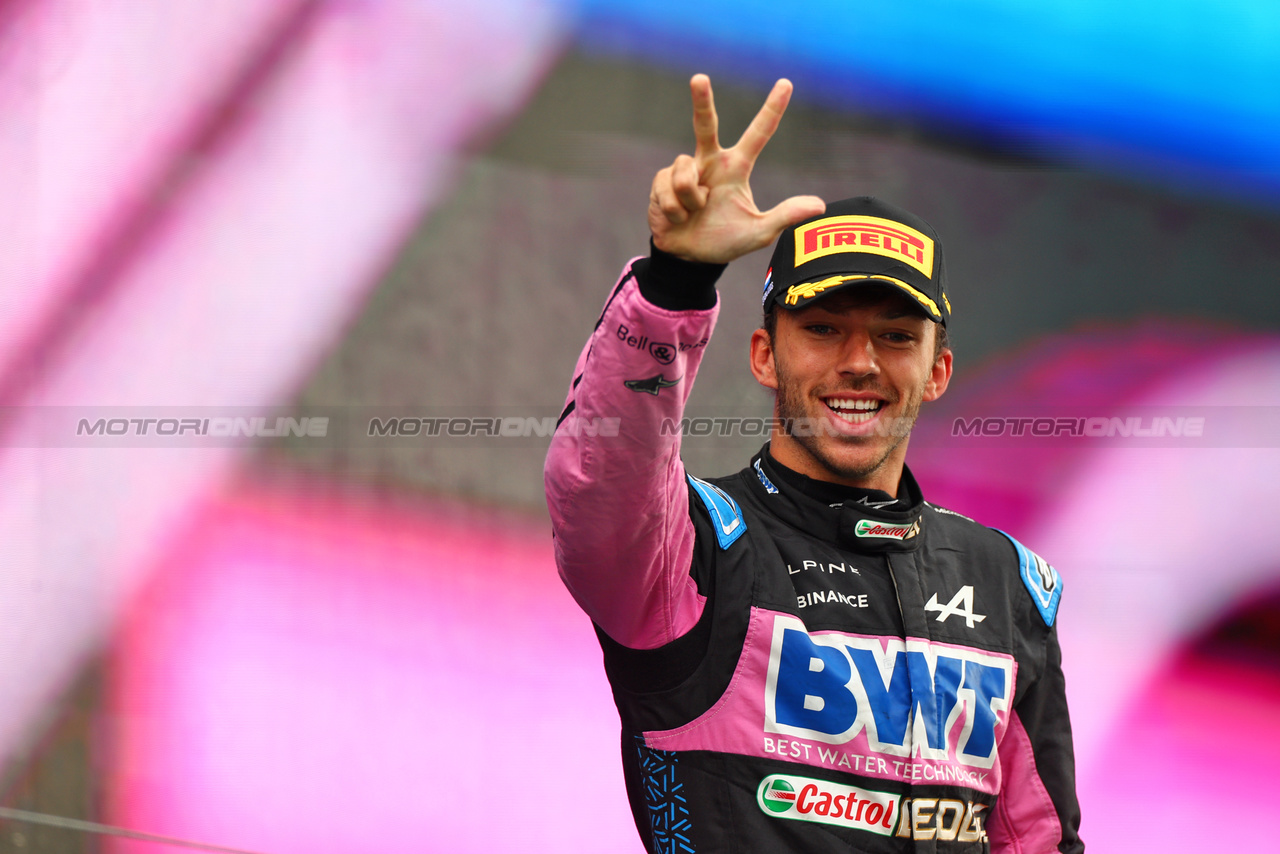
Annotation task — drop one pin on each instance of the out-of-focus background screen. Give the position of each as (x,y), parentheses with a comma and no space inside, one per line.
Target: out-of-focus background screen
(291,291)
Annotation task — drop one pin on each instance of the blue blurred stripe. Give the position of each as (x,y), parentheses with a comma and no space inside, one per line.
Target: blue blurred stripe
(1189,89)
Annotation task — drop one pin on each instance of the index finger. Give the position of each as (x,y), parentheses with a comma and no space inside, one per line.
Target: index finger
(762,127)
(706,125)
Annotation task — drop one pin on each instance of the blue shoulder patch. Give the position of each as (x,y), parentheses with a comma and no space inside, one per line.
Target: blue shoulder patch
(725,513)
(1041,579)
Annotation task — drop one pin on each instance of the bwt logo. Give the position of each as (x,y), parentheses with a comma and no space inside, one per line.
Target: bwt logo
(909,697)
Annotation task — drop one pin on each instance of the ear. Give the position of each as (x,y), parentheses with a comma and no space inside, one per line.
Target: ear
(939,377)
(762,364)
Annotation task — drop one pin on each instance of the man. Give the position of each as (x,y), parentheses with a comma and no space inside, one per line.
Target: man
(805,656)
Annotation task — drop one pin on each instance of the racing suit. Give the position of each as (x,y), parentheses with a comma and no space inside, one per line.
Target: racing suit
(798,666)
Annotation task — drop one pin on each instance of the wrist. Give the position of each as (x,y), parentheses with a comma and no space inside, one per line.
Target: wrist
(656,243)
(675,283)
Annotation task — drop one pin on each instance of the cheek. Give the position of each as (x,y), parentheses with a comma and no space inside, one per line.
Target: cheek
(804,361)
(911,375)
(796,376)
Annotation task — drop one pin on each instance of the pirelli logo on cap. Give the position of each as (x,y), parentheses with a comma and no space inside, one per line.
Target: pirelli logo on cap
(836,234)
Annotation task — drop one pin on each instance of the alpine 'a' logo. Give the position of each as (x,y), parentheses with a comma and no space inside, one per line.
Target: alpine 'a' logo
(961,605)
(824,802)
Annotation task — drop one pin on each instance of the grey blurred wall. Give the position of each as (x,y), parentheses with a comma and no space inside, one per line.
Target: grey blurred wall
(486,309)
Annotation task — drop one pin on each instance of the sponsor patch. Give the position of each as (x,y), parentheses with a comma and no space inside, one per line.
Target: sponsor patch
(943,819)
(662,352)
(652,385)
(824,802)
(1041,579)
(885,531)
(873,235)
(961,605)
(942,703)
(726,516)
(776,794)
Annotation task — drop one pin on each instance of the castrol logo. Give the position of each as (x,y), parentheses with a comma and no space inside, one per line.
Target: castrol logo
(884,531)
(824,802)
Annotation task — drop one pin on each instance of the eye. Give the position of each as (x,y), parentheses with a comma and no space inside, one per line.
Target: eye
(898,337)
(819,328)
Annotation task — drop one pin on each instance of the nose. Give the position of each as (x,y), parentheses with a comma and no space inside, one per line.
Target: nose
(858,356)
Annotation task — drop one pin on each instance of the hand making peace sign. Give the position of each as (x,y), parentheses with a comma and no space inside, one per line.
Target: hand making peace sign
(700,207)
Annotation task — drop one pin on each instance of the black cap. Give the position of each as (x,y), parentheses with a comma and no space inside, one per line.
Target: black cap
(861,241)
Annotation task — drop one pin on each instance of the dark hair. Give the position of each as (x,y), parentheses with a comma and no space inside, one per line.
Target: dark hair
(941,341)
(770,324)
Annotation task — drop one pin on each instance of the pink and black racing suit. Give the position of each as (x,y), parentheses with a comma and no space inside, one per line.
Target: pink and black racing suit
(797,666)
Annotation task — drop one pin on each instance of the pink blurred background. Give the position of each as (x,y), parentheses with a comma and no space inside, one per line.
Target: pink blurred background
(357,209)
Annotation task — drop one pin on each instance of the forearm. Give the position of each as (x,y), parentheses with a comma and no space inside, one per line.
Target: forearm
(615,483)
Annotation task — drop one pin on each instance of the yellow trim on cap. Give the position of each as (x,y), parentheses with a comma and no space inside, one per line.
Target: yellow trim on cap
(809,290)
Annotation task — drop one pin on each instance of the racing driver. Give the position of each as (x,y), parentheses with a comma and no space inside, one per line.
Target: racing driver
(806,656)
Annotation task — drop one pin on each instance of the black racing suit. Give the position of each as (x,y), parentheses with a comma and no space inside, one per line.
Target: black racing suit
(797,666)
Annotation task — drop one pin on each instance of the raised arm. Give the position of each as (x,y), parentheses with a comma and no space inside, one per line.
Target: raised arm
(619,503)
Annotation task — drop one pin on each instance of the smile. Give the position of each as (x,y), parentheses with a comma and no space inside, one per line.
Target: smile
(854,411)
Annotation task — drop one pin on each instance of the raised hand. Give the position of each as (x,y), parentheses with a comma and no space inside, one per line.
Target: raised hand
(701,208)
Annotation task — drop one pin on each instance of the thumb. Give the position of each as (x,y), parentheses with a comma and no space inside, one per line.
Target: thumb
(790,212)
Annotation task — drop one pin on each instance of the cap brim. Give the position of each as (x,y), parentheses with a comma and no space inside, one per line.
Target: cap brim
(807,293)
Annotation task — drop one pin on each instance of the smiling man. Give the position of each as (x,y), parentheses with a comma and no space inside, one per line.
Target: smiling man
(853,340)
(806,656)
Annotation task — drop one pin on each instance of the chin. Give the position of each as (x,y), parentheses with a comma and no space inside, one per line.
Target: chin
(857,463)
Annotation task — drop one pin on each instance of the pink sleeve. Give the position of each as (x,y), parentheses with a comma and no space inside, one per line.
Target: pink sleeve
(615,484)
(1025,819)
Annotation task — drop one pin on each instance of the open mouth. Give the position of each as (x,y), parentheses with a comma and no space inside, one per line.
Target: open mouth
(854,411)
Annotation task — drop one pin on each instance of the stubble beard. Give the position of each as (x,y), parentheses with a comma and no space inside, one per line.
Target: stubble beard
(791,407)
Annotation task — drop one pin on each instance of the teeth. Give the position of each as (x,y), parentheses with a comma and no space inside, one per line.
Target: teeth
(856,417)
(862,405)
(855,411)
